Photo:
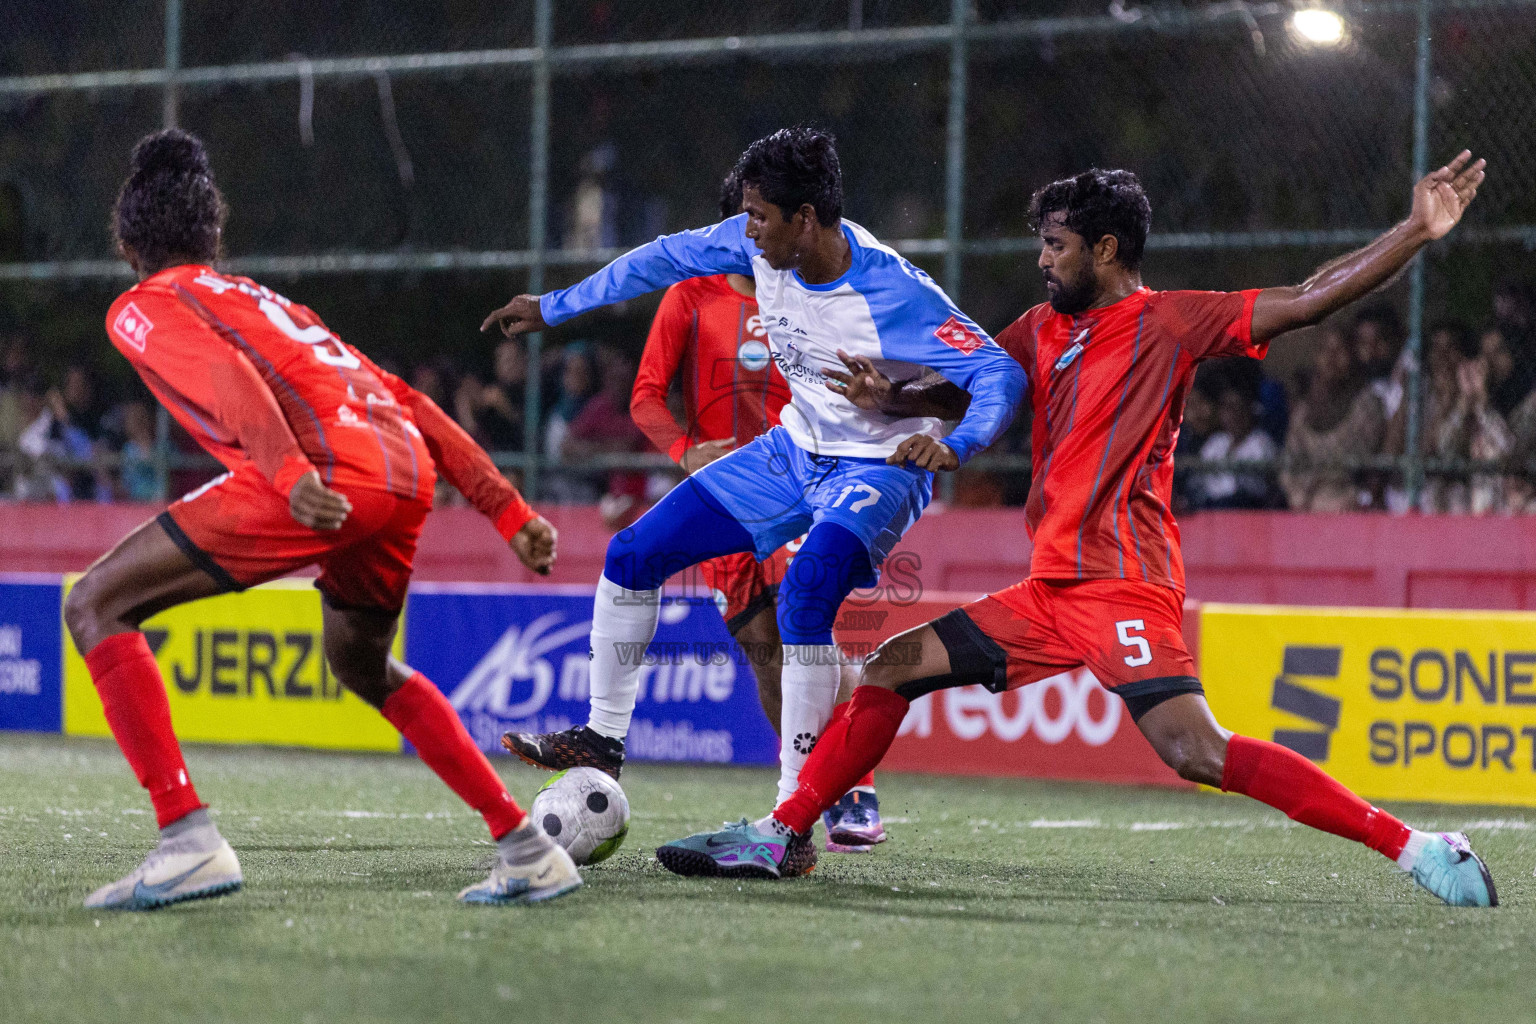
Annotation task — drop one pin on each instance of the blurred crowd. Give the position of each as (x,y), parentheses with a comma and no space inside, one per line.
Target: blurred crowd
(1332,433)
(1322,439)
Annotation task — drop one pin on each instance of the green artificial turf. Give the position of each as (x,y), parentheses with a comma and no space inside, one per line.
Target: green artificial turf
(994,900)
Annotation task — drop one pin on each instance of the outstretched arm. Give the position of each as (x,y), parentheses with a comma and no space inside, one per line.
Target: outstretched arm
(720,249)
(1439,200)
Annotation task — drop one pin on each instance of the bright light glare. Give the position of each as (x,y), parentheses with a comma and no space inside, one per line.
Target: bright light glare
(1319,26)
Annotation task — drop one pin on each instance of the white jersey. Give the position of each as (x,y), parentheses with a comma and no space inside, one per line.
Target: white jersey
(882,307)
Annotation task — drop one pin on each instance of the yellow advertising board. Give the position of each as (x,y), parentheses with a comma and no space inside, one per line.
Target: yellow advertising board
(243,668)
(1396,704)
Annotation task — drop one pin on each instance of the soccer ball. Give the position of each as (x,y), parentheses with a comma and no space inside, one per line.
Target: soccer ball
(584,811)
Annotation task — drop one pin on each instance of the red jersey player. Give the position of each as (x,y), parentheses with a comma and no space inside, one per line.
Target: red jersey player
(707,335)
(331,461)
(1110,363)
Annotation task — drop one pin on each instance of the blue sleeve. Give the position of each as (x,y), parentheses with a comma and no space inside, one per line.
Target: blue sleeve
(721,249)
(910,312)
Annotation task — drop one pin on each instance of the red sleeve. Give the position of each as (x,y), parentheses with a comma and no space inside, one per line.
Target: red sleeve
(1018,339)
(670,331)
(207,385)
(1212,324)
(461,461)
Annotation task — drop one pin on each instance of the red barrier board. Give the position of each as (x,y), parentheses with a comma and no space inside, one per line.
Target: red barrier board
(1065,727)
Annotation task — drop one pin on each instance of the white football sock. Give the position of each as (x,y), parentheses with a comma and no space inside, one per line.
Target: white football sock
(1413,847)
(809,688)
(623,624)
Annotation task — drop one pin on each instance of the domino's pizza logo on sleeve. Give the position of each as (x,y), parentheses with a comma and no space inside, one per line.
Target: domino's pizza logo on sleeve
(133,327)
(958,336)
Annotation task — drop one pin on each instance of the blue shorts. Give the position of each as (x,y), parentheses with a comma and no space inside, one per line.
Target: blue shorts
(778,490)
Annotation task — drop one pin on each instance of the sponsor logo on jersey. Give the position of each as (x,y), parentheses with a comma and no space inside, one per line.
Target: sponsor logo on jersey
(345,417)
(958,336)
(753,355)
(133,327)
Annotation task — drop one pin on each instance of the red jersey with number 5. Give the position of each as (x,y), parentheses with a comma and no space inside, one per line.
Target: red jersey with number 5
(220,351)
(1107,387)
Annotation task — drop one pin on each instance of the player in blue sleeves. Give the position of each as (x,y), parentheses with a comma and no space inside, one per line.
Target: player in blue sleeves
(830,296)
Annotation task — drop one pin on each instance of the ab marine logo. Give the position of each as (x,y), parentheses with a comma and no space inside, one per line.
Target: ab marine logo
(1295,699)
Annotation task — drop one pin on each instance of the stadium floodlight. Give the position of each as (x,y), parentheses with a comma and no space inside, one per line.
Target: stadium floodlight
(1318,26)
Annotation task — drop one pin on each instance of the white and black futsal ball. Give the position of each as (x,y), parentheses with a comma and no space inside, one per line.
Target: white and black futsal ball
(585,811)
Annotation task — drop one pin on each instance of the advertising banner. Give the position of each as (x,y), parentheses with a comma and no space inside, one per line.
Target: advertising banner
(31,695)
(243,668)
(516,658)
(1396,704)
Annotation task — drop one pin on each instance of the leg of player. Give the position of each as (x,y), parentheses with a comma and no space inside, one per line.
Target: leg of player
(147,573)
(1187,737)
(759,641)
(530,867)
(686,527)
(905,667)
(853,824)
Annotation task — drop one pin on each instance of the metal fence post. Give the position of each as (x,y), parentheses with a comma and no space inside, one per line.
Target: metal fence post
(954,172)
(1413,455)
(170,102)
(538,206)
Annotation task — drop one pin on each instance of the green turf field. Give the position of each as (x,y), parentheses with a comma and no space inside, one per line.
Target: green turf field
(994,901)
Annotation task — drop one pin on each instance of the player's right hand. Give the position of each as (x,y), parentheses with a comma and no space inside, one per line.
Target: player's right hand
(520,316)
(316,506)
(534,544)
(863,385)
(705,452)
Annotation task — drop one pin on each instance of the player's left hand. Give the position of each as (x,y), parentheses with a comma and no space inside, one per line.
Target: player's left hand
(520,316)
(534,544)
(315,505)
(1441,196)
(862,384)
(926,453)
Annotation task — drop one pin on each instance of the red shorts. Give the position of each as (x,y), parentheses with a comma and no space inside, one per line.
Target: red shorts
(743,586)
(238,530)
(1129,634)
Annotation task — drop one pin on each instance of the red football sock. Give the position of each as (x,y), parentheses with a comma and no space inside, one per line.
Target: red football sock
(1288,782)
(857,737)
(867,782)
(425,718)
(139,714)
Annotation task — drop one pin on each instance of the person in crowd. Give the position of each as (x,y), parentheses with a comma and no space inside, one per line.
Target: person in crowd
(1508,381)
(1239,438)
(1456,420)
(1471,429)
(497,413)
(1337,418)
(1198,426)
(1378,342)
(604,427)
(577,382)
(62,442)
(137,479)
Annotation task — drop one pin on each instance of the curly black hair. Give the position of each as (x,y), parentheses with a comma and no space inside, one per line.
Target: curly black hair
(1098,203)
(169,210)
(730,196)
(795,166)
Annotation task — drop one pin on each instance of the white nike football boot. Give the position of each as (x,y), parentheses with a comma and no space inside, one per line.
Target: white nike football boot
(552,874)
(189,867)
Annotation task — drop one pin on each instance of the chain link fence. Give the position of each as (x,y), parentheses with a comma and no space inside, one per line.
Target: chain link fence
(404,167)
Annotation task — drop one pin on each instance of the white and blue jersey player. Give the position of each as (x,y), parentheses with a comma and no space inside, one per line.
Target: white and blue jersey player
(852,479)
